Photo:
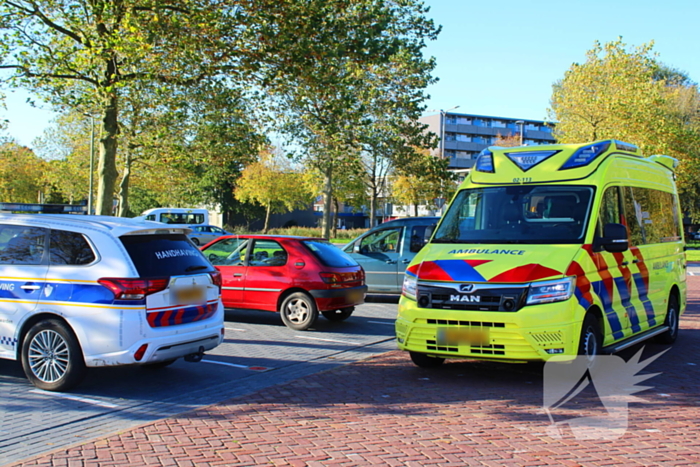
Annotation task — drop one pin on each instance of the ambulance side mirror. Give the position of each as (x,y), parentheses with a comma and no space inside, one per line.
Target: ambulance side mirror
(614,239)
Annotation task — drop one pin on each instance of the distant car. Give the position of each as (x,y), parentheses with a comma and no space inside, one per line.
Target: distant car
(203,234)
(385,251)
(295,276)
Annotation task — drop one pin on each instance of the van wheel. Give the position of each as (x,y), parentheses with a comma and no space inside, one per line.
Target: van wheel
(299,311)
(591,340)
(672,321)
(51,356)
(195,240)
(339,315)
(426,361)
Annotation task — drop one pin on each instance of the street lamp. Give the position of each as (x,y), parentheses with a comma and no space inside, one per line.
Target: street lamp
(443,118)
(521,124)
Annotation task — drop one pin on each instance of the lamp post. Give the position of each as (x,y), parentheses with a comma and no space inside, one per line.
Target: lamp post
(92,161)
(521,124)
(443,117)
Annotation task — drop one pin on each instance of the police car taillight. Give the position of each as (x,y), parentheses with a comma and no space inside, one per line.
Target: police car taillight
(133,289)
(216,279)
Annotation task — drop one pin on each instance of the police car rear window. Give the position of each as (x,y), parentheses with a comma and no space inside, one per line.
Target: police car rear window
(165,255)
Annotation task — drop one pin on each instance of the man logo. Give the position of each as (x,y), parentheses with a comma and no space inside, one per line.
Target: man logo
(465,298)
(466,287)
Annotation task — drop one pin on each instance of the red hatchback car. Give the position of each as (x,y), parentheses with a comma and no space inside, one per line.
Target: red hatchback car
(297,276)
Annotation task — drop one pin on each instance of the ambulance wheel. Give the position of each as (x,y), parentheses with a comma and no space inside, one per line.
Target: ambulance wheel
(426,361)
(591,340)
(339,315)
(299,311)
(672,321)
(51,356)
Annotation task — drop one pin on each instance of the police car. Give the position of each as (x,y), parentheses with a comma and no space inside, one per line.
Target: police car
(96,291)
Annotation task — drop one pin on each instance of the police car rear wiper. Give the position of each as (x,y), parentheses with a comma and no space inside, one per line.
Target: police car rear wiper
(195,268)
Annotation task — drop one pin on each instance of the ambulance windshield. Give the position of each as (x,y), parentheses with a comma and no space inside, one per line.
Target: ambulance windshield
(536,214)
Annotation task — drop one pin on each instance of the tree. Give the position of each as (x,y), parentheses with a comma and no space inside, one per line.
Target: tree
(626,94)
(21,174)
(329,106)
(274,184)
(510,140)
(424,181)
(84,55)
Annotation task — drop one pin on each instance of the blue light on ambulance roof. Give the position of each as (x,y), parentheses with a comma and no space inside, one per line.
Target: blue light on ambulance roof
(529,159)
(585,155)
(484,163)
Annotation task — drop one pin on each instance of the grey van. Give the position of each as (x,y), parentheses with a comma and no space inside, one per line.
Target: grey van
(385,251)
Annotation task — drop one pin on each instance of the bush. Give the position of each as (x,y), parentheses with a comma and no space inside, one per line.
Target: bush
(342,235)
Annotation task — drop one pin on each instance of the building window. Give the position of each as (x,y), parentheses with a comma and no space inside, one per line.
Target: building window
(464,155)
(464,138)
(449,136)
(464,121)
(451,120)
(450,154)
(497,124)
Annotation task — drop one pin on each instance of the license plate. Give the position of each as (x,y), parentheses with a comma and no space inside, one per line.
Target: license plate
(355,296)
(189,295)
(462,336)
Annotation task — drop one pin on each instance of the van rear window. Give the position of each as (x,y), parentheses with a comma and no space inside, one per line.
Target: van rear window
(165,255)
(329,255)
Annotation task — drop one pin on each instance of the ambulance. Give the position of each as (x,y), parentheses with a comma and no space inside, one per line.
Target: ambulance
(556,250)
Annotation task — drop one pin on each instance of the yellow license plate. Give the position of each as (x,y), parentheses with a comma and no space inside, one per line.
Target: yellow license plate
(189,295)
(462,336)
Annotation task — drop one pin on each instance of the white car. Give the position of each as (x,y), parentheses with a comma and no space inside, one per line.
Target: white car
(203,234)
(96,291)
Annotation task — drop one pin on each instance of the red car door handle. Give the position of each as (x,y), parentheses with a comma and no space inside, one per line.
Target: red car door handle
(238,274)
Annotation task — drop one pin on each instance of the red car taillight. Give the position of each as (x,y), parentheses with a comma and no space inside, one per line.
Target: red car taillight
(133,289)
(335,280)
(216,279)
(346,279)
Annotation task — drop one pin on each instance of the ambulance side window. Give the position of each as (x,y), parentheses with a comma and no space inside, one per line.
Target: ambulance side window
(609,210)
(633,216)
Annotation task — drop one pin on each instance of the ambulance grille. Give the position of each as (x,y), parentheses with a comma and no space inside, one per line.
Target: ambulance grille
(503,299)
(494,349)
(454,322)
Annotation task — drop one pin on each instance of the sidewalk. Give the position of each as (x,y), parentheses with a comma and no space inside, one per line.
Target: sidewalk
(386,411)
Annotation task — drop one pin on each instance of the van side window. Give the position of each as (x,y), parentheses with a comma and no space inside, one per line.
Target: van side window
(69,248)
(418,234)
(609,210)
(382,241)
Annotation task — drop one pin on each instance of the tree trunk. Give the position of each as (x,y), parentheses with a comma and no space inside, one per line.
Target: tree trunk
(415,209)
(123,197)
(327,200)
(267,218)
(373,209)
(107,166)
(335,218)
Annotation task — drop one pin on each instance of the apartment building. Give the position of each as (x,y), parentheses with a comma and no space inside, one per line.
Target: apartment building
(463,136)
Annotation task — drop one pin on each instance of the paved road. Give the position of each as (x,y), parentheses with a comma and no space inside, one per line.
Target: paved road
(259,351)
(382,410)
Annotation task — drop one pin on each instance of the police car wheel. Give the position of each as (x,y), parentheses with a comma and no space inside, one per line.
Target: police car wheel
(339,315)
(672,321)
(158,365)
(426,361)
(195,240)
(591,338)
(51,356)
(299,311)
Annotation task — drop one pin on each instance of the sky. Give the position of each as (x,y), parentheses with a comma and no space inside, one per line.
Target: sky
(500,58)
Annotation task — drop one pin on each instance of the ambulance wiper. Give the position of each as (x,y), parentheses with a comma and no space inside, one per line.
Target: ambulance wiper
(444,240)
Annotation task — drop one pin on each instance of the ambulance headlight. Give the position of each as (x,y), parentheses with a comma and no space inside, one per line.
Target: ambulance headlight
(550,291)
(410,285)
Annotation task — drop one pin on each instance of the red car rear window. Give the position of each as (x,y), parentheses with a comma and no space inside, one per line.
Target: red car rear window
(329,255)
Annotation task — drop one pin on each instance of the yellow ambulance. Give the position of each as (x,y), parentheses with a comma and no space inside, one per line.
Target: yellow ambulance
(557,250)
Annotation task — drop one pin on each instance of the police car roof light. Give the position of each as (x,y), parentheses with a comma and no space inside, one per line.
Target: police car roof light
(586,154)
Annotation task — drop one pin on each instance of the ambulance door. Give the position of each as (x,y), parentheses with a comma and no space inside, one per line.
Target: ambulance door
(23,269)
(612,282)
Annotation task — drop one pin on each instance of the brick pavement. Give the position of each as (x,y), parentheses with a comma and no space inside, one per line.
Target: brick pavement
(385,411)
